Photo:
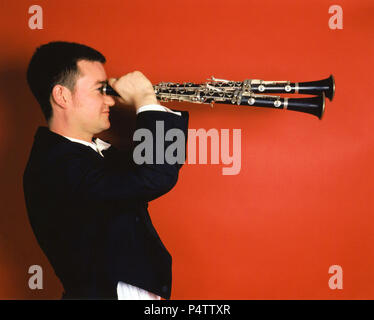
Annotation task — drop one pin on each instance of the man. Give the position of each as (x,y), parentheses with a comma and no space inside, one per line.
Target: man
(87,202)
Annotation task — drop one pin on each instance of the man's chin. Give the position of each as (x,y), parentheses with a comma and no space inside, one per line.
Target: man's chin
(103,128)
(107,126)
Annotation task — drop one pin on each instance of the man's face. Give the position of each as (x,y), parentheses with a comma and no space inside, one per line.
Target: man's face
(90,108)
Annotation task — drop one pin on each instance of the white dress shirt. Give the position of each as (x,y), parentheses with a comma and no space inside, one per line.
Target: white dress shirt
(156,107)
(126,291)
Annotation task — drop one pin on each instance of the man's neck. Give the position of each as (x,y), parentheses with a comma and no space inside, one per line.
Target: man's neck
(71,133)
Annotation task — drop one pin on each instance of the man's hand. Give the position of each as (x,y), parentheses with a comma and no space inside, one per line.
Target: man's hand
(135,89)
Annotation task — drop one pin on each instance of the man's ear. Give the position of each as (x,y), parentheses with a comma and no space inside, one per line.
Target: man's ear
(61,96)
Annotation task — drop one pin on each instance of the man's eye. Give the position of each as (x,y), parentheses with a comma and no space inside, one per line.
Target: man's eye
(101,89)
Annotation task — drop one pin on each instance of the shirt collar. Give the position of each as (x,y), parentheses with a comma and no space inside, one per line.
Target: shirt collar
(102,145)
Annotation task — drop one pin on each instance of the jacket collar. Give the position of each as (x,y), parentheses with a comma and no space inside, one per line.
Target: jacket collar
(44,136)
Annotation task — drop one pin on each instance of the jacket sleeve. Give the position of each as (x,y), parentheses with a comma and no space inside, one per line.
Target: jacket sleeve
(98,181)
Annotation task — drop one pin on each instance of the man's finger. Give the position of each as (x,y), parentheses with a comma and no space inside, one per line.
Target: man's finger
(111,81)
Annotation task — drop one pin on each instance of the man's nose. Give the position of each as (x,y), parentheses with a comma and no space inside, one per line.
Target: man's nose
(109,100)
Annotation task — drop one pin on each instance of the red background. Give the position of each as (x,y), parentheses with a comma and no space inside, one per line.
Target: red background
(303,200)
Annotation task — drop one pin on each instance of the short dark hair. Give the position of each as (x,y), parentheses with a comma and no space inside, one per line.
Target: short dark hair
(56,63)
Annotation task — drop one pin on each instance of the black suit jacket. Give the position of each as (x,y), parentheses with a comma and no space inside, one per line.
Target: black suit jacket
(89,213)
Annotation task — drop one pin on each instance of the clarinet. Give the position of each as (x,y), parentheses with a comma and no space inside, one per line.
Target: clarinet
(249,92)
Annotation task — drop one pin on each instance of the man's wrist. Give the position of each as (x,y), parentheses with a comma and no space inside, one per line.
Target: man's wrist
(146,101)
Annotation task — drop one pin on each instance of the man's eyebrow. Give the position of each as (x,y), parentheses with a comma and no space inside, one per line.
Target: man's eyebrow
(101,82)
